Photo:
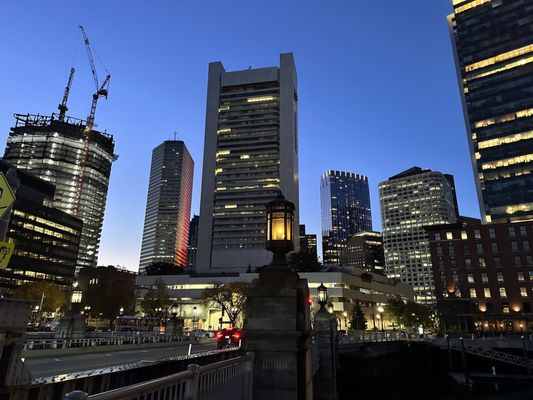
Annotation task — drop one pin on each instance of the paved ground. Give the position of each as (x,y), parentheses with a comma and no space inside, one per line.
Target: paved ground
(49,366)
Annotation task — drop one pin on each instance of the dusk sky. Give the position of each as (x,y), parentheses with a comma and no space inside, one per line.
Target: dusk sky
(377,87)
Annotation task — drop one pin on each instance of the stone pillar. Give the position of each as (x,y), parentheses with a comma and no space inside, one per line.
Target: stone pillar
(278,331)
(325,379)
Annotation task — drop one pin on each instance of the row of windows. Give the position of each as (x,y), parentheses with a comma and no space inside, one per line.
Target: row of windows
(480,249)
(481,262)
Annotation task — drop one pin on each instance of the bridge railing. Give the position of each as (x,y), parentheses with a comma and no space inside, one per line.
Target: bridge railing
(42,344)
(229,379)
(375,336)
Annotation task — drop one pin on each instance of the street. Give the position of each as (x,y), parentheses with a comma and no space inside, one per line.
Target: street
(49,366)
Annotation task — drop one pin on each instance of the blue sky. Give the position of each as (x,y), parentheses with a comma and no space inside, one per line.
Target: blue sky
(377,87)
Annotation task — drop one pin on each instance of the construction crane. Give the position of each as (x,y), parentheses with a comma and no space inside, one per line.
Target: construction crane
(101,91)
(63,106)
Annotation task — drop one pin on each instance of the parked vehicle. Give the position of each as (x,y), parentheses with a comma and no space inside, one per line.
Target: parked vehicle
(228,337)
(197,334)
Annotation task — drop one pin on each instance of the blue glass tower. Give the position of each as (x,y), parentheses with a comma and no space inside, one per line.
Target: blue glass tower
(345,206)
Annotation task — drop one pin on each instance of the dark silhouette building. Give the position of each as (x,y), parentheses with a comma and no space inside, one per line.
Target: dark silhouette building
(308,243)
(46,239)
(364,250)
(192,246)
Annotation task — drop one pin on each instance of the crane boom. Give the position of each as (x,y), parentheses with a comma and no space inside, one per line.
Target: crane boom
(101,91)
(63,106)
(90,55)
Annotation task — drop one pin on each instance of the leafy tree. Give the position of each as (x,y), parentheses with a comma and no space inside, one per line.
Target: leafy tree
(231,298)
(304,262)
(156,298)
(164,268)
(54,297)
(357,318)
(408,313)
(114,291)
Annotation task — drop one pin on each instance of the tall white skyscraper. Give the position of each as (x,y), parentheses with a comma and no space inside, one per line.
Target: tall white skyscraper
(168,208)
(250,153)
(409,201)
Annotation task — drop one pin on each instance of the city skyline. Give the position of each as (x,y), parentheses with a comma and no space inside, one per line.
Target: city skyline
(182,103)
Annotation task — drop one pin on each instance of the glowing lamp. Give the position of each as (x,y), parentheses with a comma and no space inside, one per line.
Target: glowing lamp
(280,226)
(330,308)
(322,295)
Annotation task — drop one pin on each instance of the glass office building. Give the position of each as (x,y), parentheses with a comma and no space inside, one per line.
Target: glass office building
(345,211)
(168,207)
(493,47)
(53,150)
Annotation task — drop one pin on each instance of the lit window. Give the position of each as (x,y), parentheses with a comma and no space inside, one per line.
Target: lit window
(486,292)
(520,276)
(523,292)
(499,277)
(468,6)
(449,235)
(484,278)
(473,293)
(482,263)
(470,278)
(464,235)
(505,308)
(503,292)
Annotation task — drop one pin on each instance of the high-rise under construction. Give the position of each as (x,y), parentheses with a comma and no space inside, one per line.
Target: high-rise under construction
(58,150)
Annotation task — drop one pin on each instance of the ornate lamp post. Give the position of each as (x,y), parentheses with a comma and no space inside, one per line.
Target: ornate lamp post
(194,317)
(280,226)
(322,296)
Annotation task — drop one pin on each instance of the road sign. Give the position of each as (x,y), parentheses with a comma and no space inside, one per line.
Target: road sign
(6,250)
(6,195)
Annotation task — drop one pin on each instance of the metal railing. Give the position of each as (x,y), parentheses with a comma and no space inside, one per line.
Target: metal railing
(229,379)
(41,344)
(375,336)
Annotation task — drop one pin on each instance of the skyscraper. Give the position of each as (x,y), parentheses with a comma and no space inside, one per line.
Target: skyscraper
(493,48)
(192,245)
(168,208)
(345,208)
(308,243)
(364,250)
(409,201)
(250,153)
(52,149)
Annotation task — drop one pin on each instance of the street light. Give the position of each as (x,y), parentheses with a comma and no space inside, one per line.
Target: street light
(322,295)
(345,315)
(381,310)
(280,225)
(194,317)
(330,308)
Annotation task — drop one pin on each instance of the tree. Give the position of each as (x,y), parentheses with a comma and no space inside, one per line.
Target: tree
(54,297)
(408,313)
(164,268)
(114,291)
(156,299)
(395,310)
(304,262)
(358,320)
(230,297)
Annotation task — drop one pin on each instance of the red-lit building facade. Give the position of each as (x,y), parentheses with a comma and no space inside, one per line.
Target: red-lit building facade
(491,265)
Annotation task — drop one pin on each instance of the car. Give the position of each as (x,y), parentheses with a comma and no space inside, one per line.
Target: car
(229,337)
(197,334)
(49,325)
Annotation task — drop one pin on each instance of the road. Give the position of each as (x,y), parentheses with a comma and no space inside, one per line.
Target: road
(49,366)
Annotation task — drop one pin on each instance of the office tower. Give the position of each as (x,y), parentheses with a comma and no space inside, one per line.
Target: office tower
(308,243)
(192,245)
(168,208)
(492,266)
(55,151)
(493,48)
(250,153)
(46,240)
(409,201)
(364,250)
(345,207)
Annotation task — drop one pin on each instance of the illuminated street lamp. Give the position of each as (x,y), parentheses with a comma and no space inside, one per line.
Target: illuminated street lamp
(322,295)
(194,317)
(330,308)
(280,226)
(381,310)
(345,315)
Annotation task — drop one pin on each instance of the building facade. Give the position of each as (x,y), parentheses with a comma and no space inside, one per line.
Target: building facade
(192,246)
(345,211)
(409,201)
(308,243)
(364,250)
(492,265)
(493,48)
(53,150)
(168,207)
(250,153)
(344,291)
(46,240)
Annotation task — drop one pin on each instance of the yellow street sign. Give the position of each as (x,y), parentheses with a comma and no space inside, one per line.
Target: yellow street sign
(6,250)
(6,195)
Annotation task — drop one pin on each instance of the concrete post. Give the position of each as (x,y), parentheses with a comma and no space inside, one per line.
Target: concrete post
(191,388)
(325,380)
